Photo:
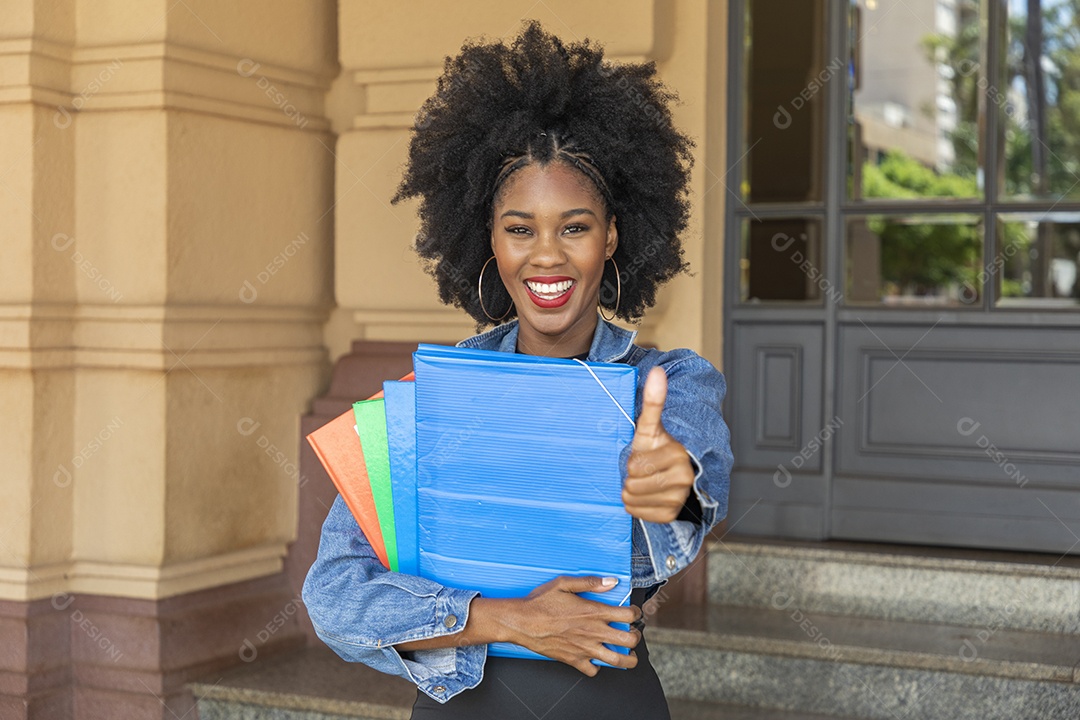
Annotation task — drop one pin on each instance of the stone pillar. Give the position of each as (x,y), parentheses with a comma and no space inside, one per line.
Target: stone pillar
(166,204)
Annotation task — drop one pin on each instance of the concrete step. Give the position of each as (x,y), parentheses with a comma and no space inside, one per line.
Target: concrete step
(797,631)
(1020,591)
(794,659)
(314,684)
(310,684)
(698,710)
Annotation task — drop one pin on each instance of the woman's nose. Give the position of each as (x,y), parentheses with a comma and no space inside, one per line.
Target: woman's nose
(547,251)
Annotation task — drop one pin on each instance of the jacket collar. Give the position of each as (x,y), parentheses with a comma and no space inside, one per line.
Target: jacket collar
(611,343)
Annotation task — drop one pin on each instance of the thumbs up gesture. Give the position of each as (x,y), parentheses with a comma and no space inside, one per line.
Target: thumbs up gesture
(659,473)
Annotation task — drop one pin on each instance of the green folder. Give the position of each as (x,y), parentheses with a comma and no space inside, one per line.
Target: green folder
(371,426)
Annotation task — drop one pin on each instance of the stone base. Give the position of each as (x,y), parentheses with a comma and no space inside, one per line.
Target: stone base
(35,669)
(91,657)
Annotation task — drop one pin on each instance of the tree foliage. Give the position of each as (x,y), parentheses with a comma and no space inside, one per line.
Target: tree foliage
(917,256)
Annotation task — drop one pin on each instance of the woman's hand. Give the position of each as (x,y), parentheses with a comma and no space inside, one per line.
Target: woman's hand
(659,474)
(554,621)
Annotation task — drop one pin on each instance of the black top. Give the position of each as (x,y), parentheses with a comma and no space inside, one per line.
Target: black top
(515,688)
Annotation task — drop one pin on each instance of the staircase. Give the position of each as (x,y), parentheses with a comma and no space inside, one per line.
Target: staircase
(792,632)
(879,633)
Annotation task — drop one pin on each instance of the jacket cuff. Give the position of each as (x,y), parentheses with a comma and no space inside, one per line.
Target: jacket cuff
(683,538)
(709,506)
(442,673)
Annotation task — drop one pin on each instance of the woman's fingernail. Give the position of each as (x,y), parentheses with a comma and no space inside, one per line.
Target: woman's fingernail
(609,582)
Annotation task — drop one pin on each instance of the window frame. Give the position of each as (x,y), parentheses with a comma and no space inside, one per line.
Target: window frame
(836,209)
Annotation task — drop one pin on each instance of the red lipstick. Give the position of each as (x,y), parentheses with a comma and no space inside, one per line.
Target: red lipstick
(550,301)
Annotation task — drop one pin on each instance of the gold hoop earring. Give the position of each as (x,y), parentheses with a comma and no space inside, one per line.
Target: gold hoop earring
(480,293)
(618,294)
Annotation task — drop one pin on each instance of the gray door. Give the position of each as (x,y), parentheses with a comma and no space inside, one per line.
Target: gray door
(902,339)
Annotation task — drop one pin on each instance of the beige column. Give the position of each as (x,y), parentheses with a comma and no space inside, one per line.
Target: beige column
(690,309)
(166,202)
(36,291)
(167,197)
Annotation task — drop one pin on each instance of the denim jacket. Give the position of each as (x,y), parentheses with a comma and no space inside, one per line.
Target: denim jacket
(361,609)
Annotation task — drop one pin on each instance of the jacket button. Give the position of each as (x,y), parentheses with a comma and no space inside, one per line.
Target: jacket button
(670,562)
(450,621)
(439,689)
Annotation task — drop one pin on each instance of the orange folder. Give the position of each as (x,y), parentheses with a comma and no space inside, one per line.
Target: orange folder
(341,453)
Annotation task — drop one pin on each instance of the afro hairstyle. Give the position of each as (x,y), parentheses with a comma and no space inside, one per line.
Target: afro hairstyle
(498,108)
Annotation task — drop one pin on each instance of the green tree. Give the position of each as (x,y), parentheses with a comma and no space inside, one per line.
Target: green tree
(922,258)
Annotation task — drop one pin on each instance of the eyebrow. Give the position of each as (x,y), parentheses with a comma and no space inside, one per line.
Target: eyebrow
(530,216)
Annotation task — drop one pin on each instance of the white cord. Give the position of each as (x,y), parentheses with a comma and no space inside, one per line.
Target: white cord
(623,411)
(626,415)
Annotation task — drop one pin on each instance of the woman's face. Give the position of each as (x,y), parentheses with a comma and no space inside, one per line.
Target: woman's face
(551,240)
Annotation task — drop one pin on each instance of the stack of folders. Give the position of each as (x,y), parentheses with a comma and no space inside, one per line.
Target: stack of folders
(491,471)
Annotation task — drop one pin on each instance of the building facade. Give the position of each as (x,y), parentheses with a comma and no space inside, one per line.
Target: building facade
(194,198)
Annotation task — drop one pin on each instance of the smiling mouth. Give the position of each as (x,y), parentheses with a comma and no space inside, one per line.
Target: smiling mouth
(549,291)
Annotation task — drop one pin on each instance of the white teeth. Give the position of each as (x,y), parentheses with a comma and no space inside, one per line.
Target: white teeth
(553,289)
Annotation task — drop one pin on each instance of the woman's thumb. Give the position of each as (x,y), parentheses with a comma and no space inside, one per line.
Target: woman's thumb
(649,428)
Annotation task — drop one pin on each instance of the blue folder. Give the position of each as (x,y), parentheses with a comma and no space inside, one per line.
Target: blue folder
(400,398)
(518,473)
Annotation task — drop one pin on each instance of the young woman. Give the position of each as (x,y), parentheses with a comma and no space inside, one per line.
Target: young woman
(552,183)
